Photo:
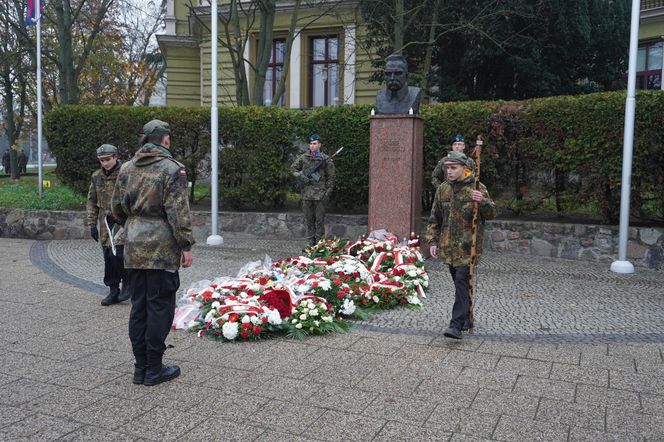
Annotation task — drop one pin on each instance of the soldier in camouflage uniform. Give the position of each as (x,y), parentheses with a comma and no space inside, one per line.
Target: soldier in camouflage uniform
(315,192)
(99,215)
(438,175)
(449,232)
(150,200)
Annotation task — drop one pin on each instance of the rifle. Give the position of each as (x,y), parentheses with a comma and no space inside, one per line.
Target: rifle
(312,174)
(470,322)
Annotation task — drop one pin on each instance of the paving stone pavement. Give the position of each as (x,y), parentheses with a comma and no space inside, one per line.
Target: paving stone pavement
(563,350)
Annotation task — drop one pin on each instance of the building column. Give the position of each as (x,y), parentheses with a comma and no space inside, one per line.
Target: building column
(295,72)
(169,19)
(349,64)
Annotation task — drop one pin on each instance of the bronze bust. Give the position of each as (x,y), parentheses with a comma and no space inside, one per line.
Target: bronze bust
(397,97)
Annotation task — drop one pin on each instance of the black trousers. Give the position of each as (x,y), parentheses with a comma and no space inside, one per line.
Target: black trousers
(461,278)
(314,218)
(114,271)
(152,311)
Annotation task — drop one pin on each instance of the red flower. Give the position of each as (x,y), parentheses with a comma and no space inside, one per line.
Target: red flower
(233,318)
(244,334)
(356,274)
(340,294)
(217,333)
(336,282)
(278,300)
(246,326)
(250,292)
(341,273)
(264,319)
(263,280)
(257,330)
(315,284)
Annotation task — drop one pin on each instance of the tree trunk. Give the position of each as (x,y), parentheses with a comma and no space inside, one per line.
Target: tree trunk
(398,26)
(263,49)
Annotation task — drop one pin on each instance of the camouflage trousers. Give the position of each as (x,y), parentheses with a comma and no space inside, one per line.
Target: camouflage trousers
(314,218)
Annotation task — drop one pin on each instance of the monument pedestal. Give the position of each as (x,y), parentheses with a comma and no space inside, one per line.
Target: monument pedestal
(395,173)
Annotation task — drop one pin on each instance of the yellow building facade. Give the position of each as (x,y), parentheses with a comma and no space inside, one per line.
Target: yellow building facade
(328,65)
(650,60)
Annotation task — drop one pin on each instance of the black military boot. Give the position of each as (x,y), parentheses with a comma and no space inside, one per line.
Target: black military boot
(162,373)
(139,374)
(124,293)
(112,297)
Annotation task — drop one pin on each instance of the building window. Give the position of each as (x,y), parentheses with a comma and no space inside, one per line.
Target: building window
(324,71)
(275,70)
(649,66)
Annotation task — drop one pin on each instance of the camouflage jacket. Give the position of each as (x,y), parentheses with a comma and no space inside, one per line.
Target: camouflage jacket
(450,223)
(150,200)
(313,190)
(99,202)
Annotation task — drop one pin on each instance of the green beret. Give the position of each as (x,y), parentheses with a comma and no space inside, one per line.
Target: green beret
(458,158)
(156,127)
(314,137)
(106,150)
(458,138)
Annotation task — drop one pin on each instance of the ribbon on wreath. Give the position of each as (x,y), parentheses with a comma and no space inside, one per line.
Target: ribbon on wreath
(380,257)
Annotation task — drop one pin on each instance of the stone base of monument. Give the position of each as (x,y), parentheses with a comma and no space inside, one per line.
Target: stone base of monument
(395,173)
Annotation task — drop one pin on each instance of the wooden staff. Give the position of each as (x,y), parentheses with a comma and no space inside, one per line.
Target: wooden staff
(475,229)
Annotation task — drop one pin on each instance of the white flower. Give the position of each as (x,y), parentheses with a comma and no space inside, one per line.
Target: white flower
(311,305)
(255,320)
(375,299)
(229,330)
(210,316)
(273,317)
(412,273)
(397,278)
(327,318)
(305,311)
(425,283)
(316,323)
(215,295)
(256,287)
(414,300)
(325,284)
(313,312)
(298,325)
(215,305)
(246,319)
(294,321)
(243,295)
(303,317)
(416,282)
(348,307)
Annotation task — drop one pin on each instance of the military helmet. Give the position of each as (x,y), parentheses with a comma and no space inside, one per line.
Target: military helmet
(106,150)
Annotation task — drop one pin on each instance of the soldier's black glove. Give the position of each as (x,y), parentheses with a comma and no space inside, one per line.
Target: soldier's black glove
(94,233)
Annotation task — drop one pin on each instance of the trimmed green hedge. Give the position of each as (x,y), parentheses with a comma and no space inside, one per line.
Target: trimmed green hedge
(562,149)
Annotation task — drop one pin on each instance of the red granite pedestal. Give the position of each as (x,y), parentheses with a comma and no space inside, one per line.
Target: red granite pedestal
(395,173)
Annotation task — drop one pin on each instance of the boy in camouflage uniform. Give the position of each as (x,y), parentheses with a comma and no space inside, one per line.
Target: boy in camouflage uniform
(438,175)
(315,193)
(99,212)
(449,231)
(151,201)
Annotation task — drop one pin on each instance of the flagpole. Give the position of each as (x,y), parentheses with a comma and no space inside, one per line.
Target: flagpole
(214,239)
(39,101)
(622,265)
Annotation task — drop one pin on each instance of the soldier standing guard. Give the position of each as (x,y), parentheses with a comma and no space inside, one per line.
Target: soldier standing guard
(315,173)
(438,175)
(449,230)
(99,212)
(151,201)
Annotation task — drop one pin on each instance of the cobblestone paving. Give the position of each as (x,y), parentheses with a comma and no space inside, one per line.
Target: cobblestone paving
(66,361)
(519,298)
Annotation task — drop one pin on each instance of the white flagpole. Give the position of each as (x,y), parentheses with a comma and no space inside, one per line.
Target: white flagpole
(39,101)
(214,239)
(622,265)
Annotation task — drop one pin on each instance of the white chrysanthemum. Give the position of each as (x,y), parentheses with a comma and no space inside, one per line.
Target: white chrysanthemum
(229,330)
(313,312)
(348,307)
(412,273)
(255,320)
(210,316)
(273,317)
(246,319)
(303,317)
(294,321)
(311,305)
(215,305)
(298,325)
(325,284)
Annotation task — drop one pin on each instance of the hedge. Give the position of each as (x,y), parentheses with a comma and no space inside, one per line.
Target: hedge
(562,149)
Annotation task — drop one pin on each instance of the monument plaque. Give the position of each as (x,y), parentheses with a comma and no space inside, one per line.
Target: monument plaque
(395,173)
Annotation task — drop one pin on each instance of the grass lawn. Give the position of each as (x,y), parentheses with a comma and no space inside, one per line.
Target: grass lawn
(24,194)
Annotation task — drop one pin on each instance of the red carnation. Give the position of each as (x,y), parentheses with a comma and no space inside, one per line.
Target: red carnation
(263,280)
(257,330)
(315,284)
(356,274)
(217,333)
(244,334)
(340,294)
(233,318)
(264,319)
(336,282)
(246,326)
(341,273)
